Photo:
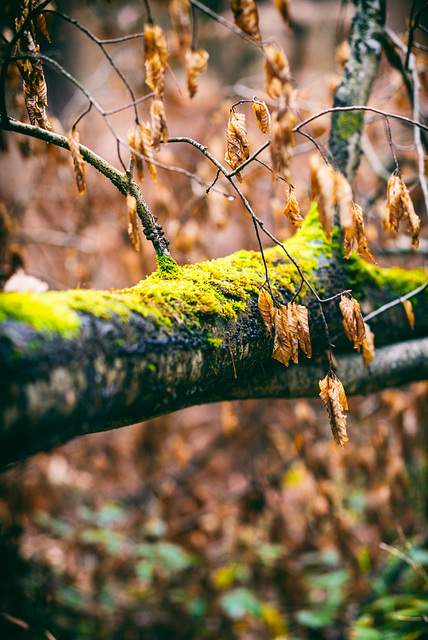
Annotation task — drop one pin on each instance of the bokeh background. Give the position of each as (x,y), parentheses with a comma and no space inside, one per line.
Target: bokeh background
(239,520)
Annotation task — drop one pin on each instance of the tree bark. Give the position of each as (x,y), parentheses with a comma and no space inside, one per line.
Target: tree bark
(78,362)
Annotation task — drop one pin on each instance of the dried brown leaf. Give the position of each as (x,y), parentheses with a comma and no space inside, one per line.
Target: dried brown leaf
(368,347)
(282,347)
(158,126)
(277,71)
(42,26)
(179,11)
(146,148)
(155,55)
(266,309)
(360,236)
(79,165)
(196,63)
(409,312)
(131,203)
(400,206)
(292,210)
(293,325)
(282,142)
(283,7)
(323,189)
(134,143)
(303,329)
(344,202)
(333,396)
(353,320)
(262,115)
(237,142)
(246,17)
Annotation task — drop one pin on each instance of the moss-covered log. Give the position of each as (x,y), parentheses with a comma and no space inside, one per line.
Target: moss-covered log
(79,361)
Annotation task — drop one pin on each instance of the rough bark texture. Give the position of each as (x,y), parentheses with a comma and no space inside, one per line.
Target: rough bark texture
(354,89)
(78,362)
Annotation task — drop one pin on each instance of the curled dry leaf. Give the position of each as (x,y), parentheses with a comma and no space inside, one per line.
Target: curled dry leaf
(179,11)
(262,115)
(344,200)
(146,148)
(42,26)
(237,142)
(266,309)
(79,165)
(356,236)
(282,348)
(277,70)
(134,143)
(323,189)
(282,142)
(333,396)
(353,320)
(409,312)
(196,63)
(246,17)
(283,7)
(158,126)
(131,203)
(368,347)
(292,210)
(155,55)
(400,207)
(291,329)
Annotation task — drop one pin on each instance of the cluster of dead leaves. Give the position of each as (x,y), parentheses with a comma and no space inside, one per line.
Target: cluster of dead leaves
(400,207)
(31,69)
(356,329)
(238,149)
(331,189)
(333,396)
(291,324)
(140,139)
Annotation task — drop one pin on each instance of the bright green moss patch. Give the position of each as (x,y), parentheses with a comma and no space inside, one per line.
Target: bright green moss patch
(48,311)
(400,281)
(349,123)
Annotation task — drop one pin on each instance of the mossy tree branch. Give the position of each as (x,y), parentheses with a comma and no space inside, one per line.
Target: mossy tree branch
(77,362)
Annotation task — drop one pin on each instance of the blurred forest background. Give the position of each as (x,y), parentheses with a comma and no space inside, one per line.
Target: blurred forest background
(239,520)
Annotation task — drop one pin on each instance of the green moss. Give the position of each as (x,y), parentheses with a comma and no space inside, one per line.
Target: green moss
(399,281)
(349,123)
(215,342)
(48,311)
(167,266)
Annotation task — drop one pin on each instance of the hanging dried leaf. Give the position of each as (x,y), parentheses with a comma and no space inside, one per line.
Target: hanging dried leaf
(246,17)
(409,312)
(196,63)
(323,183)
(155,55)
(277,71)
(353,320)
(360,236)
(42,26)
(262,115)
(400,206)
(266,309)
(179,11)
(282,142)
(344,202)
(282,347)
(79,165)
(293,326)
(131,203)
(303,333)
(237,142)
(292,210)
(146,148)
(333,396)
(159,129)
(283,7)
(368,347)
(134,143)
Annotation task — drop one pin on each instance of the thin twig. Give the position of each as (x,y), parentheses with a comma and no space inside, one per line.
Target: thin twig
(394,303)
